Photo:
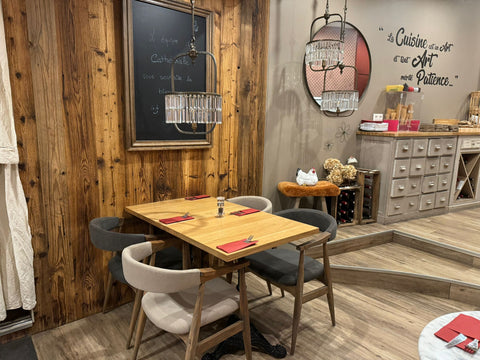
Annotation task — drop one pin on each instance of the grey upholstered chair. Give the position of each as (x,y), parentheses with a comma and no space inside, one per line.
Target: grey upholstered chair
(255,202)
(182,301)
(104,238)
(289,269)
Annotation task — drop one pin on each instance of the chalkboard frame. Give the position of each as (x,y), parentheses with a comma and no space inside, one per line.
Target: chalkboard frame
(134,144)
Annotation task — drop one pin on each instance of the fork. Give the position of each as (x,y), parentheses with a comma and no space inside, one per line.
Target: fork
(473,346)
(249,239)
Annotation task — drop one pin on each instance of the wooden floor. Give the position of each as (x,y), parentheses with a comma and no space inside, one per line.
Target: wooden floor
(371,323)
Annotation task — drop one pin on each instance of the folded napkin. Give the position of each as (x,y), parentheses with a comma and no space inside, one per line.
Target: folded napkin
(245,212)
(196,197)
(462,324)
(235,245)
(175,219)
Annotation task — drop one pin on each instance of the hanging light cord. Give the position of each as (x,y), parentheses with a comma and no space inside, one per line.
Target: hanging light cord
(342,35)
(193,51)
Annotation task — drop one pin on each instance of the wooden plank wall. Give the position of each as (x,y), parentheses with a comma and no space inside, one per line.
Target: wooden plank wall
(66,66)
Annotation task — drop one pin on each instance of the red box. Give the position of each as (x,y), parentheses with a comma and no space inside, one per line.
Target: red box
(392,125)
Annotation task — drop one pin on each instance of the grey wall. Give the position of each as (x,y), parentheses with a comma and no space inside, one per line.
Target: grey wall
(297,134)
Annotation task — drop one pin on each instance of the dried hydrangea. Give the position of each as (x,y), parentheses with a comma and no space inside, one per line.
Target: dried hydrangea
(331,164)
(349,172)
(335,176)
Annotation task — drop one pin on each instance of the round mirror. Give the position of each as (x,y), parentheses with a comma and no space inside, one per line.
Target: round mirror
(356,56)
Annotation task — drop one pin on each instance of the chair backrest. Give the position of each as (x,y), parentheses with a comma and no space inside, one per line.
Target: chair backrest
(320,219)
(255,202)
(104,238)
(153,279)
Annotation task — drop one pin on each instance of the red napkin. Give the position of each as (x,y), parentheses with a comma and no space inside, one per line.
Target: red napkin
(464,324)
(175,219)
(235,245)
(196,197)
(245,212)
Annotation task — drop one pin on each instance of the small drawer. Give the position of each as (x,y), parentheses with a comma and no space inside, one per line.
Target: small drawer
(399,187)
(417,166)
(449,146)
(446,164)
(411,204)
(429,184)
(427,202)
(419,147)
(435,147)
(441,199)
(396,206)
(403,149)
(443,182)
(401,167)
(414,185)
(431,165)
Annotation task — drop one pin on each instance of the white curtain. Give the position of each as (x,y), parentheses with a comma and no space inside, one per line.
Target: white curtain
(17,286)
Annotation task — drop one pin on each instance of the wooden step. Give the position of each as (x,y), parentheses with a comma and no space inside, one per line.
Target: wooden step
(400,261)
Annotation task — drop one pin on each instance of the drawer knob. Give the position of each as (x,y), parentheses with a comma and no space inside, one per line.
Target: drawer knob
(414,186)
(444,182)
(433,166)
(446,165)
(401,187)
(431,183)
(421,147)
(449,146)
(411,203)
(429,202)
(403,168)
(437,147)
(405,148)
(442,199)
(418,167)
(397,207)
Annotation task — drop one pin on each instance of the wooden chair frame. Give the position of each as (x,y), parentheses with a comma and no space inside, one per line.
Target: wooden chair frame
(194,345)
(297,290)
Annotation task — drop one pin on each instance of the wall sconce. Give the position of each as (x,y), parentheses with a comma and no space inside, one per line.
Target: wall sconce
(193,107)
(323,55)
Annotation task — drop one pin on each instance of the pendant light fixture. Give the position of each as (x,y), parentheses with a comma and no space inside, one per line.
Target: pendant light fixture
(325,53)
(193,107)
(328,55)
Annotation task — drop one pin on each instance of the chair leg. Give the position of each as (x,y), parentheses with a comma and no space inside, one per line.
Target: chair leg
(331,305)
(192,341)
(269,286)
(247,341)
(133,319)
(297,311)
(138,336)
(108,291)
(282,292)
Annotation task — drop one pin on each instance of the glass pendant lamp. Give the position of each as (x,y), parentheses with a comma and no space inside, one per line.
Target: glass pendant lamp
(193,107)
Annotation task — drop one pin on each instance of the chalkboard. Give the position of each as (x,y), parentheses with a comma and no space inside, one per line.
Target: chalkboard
(156,32)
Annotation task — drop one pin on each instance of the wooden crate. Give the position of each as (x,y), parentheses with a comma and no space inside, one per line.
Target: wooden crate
(474,104)
(369,180)
(446,121)
(357,208)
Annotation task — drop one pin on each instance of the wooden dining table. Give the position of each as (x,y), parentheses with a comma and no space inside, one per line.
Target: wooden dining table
(206,231)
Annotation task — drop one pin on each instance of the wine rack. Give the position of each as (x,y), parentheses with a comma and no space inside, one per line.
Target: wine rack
(349,205)
(468,171)
(370,181)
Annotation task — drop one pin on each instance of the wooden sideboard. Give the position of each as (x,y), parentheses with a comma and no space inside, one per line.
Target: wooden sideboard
(423,174)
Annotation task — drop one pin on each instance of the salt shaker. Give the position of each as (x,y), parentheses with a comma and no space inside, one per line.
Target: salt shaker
(220,206)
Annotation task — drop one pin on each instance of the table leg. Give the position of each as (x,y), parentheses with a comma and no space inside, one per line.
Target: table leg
(187,264)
